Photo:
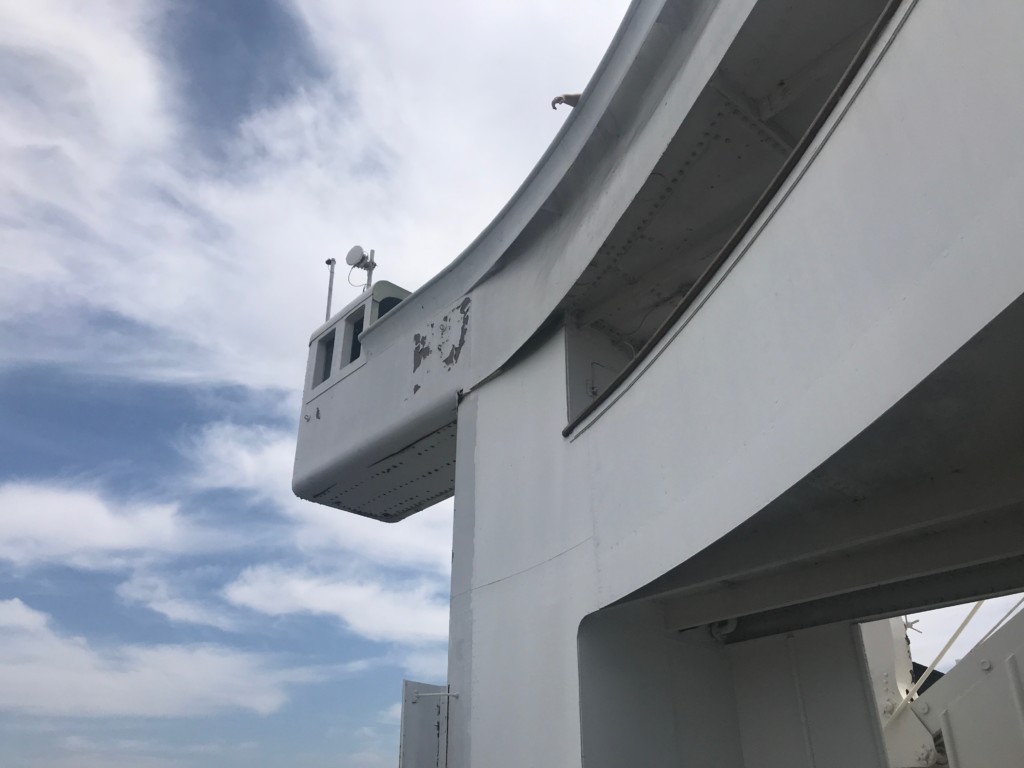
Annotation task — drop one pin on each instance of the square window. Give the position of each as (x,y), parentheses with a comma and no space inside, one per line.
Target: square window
(324,359)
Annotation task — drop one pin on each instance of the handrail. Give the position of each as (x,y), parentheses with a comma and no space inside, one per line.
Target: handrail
(752,215)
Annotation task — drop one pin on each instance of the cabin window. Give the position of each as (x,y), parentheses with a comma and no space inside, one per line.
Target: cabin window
(387,304)
(324,358)
(353,327)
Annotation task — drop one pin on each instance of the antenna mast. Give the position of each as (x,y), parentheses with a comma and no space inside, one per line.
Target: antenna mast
(358,258)
(330,288)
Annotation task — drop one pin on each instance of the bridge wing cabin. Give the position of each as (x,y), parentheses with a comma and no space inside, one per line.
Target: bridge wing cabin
(737,368)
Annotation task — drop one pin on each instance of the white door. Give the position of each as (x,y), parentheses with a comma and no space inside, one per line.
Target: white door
(424,741)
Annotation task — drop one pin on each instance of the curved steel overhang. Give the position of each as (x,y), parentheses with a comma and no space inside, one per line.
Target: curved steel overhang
(661,57)
(379,440)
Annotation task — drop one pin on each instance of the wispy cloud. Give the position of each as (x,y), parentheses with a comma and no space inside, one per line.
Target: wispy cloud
(392,714)
(169,266)
(161,263)
(258,461)
(159,594)
(427,664)
(251,458)
(165,216)
(43,524)
(45,673)
(413,612)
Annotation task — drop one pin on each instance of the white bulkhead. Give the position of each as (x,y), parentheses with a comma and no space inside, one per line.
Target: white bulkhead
(737,369)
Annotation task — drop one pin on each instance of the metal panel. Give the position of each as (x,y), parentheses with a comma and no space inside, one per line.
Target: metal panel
(804,701)
(424,739)
(978,706)
(894,243)
(407,481)
(907,742)
(377,438)
(839,308)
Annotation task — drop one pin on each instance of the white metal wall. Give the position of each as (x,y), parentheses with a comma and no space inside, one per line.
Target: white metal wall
(897,242)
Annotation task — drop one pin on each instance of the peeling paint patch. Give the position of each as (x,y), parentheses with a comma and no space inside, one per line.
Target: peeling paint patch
(453,355)
(420,350)
(446,336)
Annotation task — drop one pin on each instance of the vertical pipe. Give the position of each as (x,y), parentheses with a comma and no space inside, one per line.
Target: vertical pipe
(370,264)
(330,289)
(1016,688)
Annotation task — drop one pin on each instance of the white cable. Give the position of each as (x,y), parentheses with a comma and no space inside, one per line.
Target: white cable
(931,667)
(998,624)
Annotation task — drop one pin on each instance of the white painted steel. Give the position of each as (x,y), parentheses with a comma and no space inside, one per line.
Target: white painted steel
(978,706)
(662,57)
(804,702)
(423,741)
(908,743)
(843,301)
(894,243)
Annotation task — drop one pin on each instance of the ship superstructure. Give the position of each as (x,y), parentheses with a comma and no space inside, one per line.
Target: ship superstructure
(737,369)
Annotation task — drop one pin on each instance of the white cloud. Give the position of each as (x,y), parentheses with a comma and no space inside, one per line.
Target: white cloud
(158,594)
(427,665)
(429,118)
(99,47)
(243,457)
(259,460)
(16,616)
(392,715)
(45,673)
(40,524)
(414,612)
(85,103)
(368,598)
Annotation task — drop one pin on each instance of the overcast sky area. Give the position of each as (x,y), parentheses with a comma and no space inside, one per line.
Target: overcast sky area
(173,174)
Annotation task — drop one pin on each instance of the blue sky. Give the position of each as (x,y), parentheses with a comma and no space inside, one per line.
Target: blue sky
(172,176)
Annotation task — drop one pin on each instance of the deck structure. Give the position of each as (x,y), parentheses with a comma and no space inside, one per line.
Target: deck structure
(738,367)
